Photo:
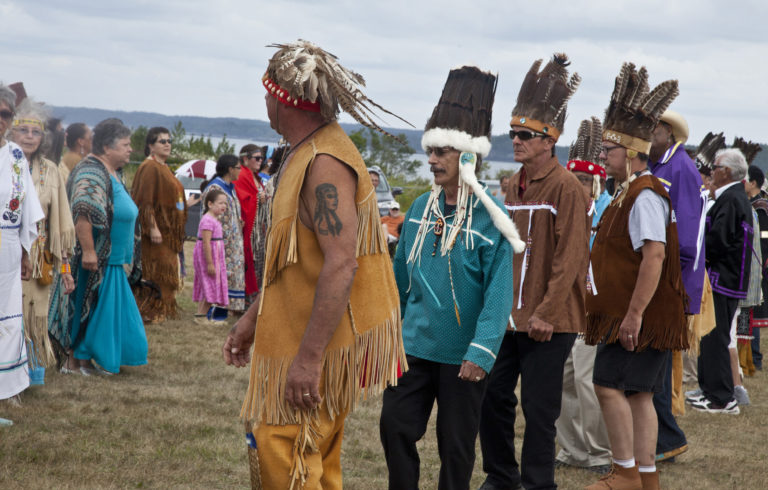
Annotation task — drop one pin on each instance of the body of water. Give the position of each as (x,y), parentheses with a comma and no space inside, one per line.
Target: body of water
(495,166)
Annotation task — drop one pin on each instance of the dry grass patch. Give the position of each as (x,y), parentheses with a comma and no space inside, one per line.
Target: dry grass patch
(174,424)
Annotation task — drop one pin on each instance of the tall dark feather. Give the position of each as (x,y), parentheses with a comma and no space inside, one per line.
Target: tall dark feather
(748,148)
(544,95)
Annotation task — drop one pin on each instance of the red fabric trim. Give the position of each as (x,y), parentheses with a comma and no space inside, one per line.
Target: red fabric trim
(588,167)
(288,100)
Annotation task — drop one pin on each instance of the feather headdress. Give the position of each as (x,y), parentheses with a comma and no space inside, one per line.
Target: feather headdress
(305,76)
(543,98)
(748,148)
(705,154)
(635,110)
(462,120)
(584,153)
(462,117)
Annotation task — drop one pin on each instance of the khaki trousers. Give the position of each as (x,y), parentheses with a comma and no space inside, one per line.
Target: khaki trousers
(581,431)
(275,456)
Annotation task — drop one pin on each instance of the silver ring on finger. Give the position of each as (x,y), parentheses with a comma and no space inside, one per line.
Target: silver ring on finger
(477,378)
(307,394)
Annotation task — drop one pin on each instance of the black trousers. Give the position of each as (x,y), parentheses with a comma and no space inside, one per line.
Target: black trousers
(715,377)
(540,364)
(671,436)
(405,413)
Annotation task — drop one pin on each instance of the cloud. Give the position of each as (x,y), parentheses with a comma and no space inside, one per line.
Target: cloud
(207,58)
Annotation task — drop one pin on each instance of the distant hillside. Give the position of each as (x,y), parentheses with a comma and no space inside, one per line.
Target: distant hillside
(260,131)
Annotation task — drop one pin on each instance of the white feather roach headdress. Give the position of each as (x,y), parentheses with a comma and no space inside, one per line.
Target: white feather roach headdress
(304,76)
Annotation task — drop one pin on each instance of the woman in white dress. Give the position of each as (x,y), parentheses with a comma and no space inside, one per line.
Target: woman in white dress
(19,212)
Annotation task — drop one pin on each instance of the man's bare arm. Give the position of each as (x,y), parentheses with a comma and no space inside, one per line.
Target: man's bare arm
(645,287)
(328,207)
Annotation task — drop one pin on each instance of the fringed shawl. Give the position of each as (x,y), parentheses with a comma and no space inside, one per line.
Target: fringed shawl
(90,195)
(56,233)
(362,357)
(160,197)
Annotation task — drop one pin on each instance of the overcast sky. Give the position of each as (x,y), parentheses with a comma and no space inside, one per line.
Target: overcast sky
(206,58)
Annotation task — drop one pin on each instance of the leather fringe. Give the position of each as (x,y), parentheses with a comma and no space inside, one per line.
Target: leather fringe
(604,328)
(343,385)
(370,234)
(36,332)
(167,223)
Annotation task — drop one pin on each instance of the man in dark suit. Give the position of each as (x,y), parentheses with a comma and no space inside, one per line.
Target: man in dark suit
(728,242)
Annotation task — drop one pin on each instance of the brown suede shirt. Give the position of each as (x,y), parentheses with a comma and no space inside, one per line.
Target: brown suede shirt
(550,212)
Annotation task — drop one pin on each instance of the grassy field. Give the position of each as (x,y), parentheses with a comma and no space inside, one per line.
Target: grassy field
(174,424)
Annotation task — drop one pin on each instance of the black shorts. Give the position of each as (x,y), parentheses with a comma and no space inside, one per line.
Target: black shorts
(632,372)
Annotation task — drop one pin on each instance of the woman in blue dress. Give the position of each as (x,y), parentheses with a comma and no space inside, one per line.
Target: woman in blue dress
(100,321)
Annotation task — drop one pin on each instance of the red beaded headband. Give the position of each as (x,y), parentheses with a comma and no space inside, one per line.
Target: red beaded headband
(588,167)
(282,95)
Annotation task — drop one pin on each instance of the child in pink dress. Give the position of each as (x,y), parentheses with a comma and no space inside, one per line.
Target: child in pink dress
(210,286)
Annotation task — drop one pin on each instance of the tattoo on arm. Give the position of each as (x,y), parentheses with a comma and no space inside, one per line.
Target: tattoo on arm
(326,219)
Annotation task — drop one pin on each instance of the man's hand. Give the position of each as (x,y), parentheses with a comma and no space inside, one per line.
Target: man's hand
(155,236)
(539,330)
(629,330)
(470,371)
(26,267)
(237,347)
(302,385)
(90,261)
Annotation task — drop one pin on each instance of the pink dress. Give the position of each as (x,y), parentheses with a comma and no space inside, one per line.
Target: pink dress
(207,288)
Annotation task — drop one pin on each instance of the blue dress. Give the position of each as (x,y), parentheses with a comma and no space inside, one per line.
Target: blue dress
(115,335)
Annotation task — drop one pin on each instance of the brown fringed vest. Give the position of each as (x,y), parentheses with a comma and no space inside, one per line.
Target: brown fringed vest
(616,265)
(363,354)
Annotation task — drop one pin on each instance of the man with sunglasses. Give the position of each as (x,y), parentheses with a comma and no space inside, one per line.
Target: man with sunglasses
(549,207)
(248,186)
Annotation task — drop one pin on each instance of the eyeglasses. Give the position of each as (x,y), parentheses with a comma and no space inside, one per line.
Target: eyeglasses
(162,142)
(30,131)
(439,151)
(258,158)
(237,167)
(525,135)
(608,149)
(6,114)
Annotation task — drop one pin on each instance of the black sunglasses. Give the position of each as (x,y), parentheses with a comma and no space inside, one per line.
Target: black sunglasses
(7,115)
(258,158)
(525,135)
(162,142)
(439,150)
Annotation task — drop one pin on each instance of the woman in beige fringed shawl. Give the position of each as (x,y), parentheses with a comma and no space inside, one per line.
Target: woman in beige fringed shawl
(56,233)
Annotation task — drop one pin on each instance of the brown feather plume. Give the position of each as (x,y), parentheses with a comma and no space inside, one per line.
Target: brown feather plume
(589,141)
(705,154)
(544,95)
(748,148)
(633,109)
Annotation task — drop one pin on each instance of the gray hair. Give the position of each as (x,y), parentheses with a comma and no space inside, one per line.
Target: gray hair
(107,133)
(734,159)
(37,111)
(29,109)
(8,96)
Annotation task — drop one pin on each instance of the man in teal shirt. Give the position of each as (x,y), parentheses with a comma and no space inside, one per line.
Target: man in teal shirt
(453,268)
